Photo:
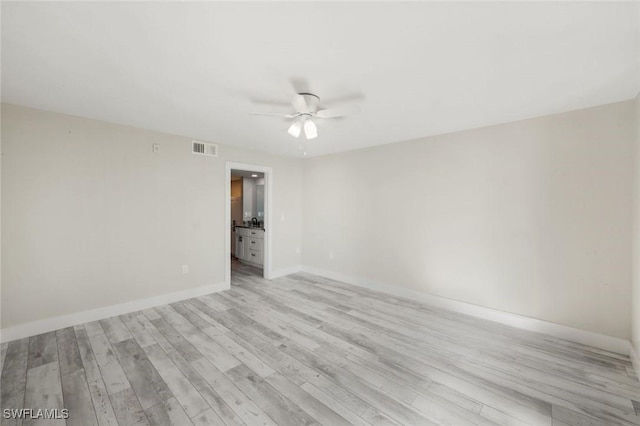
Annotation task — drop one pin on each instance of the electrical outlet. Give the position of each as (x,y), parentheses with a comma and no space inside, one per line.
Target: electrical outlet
(330,255)
(297,250)
(156,147)
(185,269)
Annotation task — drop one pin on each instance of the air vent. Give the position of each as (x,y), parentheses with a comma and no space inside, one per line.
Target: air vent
(202,148)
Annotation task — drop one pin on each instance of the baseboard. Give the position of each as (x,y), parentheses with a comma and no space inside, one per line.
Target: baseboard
(635,359)
(284,271)
(50,324)
(613,344)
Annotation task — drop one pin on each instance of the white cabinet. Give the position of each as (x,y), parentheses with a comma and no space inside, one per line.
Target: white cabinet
(255,256)
(239,245)
(250,245)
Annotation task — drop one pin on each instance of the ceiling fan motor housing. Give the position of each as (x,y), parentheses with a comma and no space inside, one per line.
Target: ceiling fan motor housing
(311,102)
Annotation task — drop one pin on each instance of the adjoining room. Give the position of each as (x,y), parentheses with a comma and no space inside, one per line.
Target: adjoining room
(247,222)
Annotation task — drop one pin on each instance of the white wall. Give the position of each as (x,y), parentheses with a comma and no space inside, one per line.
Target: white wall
(91,217)
(532,217)
(635,327)
(635,299)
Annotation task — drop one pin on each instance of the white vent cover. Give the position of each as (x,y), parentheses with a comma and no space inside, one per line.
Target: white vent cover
(202,148)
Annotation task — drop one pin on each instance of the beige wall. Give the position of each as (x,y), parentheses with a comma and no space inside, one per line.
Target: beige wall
(91,217)
(532,217)
(635,336)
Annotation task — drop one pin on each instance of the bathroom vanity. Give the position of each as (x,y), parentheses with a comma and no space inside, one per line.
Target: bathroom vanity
(250,244)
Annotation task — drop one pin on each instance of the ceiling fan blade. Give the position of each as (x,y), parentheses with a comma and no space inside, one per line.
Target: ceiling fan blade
(299,103)
(310,129)
(336,112)
(272,114)
(295,128)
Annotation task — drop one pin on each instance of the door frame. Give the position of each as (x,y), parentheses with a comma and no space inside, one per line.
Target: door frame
(268,213)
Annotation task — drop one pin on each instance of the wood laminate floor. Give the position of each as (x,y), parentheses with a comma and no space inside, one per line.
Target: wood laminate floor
(306,350)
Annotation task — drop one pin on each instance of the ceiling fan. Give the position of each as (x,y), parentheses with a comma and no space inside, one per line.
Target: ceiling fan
(306,107)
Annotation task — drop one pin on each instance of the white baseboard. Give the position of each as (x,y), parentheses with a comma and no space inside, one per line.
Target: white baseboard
(613,344)
(635,359)
(43,326)
(284,271)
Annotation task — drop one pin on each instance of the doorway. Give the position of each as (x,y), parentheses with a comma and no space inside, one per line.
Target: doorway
(248,220)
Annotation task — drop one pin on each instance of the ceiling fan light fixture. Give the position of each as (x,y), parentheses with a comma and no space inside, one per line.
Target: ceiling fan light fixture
(295,128)
(310,129)
(307,111)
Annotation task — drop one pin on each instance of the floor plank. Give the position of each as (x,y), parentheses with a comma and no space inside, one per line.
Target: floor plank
(143,377)
(137,330)
(68,352)
(185,393)
(43,349)
(44,391)
(115,329)
(102,403)
(77,399)
(110,368)
(215,401)
(239,402)
(207,418)
(276,406)
(14,378)
(3,354)
(167,413)
(127,408)
(316,409)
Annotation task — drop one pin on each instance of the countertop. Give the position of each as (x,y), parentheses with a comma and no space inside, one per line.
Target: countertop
(250,227)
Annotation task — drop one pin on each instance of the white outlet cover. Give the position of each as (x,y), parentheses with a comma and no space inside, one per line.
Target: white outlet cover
(185,269)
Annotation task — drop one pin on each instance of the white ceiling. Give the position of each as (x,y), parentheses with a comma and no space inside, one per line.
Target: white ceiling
(413,69)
